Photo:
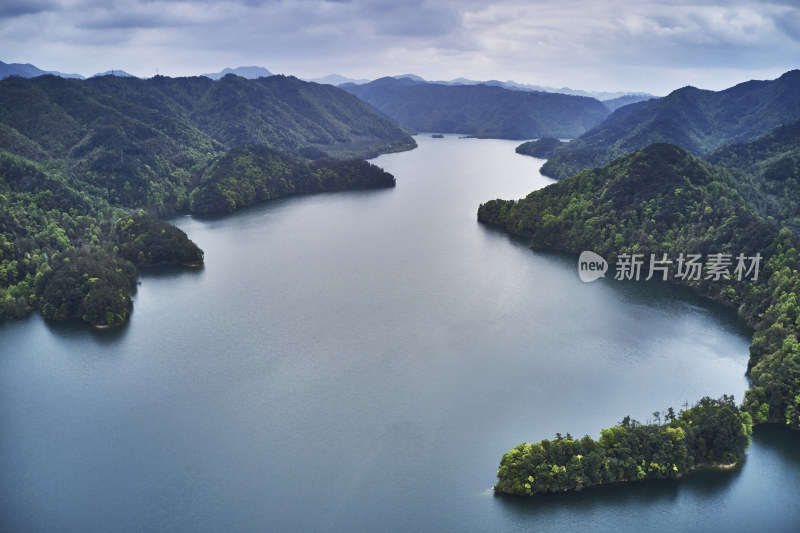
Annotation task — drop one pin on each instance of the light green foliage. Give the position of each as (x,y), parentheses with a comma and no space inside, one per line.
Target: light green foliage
(711,432)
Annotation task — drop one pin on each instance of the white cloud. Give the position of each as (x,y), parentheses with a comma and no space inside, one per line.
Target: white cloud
(586,44)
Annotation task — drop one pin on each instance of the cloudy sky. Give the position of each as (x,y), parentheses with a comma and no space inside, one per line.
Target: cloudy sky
(634,45)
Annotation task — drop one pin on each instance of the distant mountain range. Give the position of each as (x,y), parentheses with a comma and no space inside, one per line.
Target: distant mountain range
(480,110)
(605,97)
(29,71)
(336,79)
(120,73)
(509,84)
(250,73)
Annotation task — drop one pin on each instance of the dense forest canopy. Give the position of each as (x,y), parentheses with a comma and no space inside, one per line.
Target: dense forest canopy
(767,170)
(86,166)
(711,432)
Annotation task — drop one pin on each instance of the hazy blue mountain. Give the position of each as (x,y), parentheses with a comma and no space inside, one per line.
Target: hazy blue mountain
(29,71)
(412,77)
(603,96)
(250,73)
(336,79)
(120,73)
(615,103)
(480,110)
(510,84)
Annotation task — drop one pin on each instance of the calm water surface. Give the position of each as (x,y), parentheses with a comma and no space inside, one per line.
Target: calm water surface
(360,362)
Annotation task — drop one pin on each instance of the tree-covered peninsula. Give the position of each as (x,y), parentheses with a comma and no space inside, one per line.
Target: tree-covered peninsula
(88,166)
(711,433)
(256,173)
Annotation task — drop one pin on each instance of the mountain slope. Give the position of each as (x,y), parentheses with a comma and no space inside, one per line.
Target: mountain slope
(769,169)
(143,141)
(699,121)
(480,110)
(250,174)
(661,198)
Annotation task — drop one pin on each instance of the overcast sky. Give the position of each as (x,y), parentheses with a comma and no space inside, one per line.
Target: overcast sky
(632,45)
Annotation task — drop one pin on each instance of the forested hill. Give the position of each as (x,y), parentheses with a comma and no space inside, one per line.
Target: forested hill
(697,120)
(768,169)
(51,117)
(85,165)
(481,110)
(663,201)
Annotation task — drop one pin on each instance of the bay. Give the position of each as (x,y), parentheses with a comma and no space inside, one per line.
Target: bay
(359,362)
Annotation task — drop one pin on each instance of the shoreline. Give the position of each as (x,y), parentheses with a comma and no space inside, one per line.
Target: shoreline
(625,481)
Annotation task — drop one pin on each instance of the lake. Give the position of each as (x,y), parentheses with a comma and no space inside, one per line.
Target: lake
(360,361)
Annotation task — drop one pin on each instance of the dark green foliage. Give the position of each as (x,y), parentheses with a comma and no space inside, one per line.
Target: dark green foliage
(55,239)
(768,169)
(147,241)
(89,284)
(252,174)
(774,367)
(145,143)
(542,148)
(710,433)
(696,120)
(481,110)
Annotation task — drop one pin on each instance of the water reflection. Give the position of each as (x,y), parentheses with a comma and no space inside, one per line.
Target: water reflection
(781,441)
(74,329)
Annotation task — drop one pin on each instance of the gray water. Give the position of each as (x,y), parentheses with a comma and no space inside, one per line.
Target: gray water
(360,362)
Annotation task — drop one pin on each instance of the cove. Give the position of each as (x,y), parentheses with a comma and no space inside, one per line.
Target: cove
(359,362)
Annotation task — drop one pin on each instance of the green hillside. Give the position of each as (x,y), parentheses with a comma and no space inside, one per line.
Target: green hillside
(768,169)
(255,173)
(696,120)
